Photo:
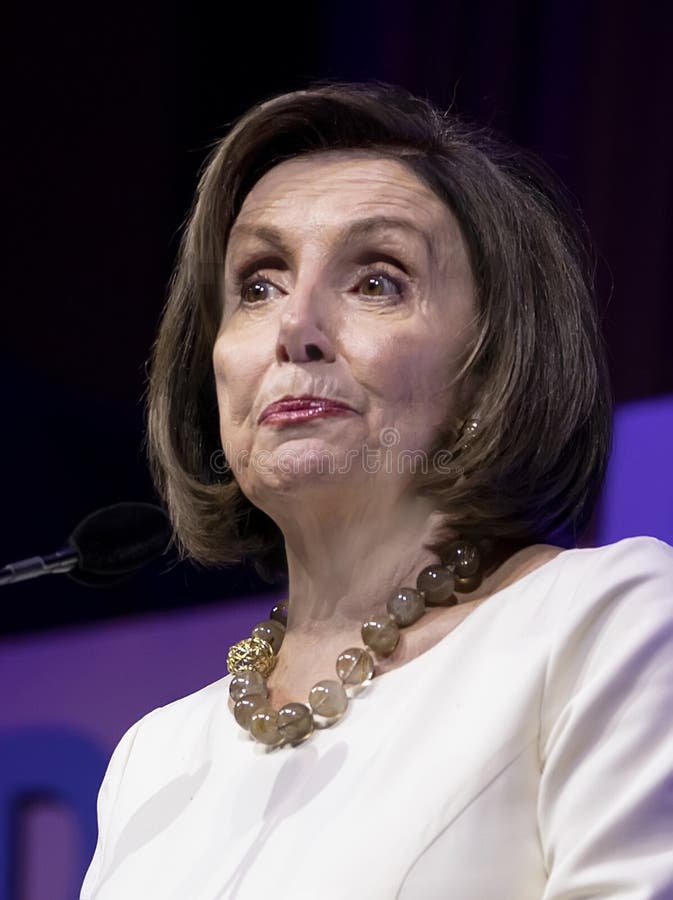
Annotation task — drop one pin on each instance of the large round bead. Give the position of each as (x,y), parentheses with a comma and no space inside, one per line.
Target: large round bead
(264,726)
(328,699)
(279,612)
(381,634)
(463,558)
(437,584)
(251,653)
(406,606)
(295,722)
(355,667)
(247,683)
(466,585)
(246,706)
(271,631)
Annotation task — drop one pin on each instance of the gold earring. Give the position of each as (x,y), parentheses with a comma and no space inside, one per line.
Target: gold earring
(468,431)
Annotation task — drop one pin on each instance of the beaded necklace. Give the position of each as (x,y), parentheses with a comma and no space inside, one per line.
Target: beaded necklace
(253,659)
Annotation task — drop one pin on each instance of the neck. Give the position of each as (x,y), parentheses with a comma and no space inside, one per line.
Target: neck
(342,568)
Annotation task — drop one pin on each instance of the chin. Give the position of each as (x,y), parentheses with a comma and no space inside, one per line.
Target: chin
(303,470)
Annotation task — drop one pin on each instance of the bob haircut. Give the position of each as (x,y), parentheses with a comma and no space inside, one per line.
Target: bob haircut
(532,470)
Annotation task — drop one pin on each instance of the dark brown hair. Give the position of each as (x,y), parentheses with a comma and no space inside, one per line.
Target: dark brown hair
(533,468)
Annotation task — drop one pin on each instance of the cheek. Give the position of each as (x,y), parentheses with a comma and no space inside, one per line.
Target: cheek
(375,357)
(237,372)
(402,366)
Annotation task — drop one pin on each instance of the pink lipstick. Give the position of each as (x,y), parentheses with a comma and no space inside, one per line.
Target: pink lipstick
(300,409)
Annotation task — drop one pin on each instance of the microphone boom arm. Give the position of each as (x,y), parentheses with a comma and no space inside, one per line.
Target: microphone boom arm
(53,564)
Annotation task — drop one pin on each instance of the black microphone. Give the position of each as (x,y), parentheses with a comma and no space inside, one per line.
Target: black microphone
(107,546)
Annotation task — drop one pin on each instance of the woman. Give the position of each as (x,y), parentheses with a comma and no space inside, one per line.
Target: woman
(381,321)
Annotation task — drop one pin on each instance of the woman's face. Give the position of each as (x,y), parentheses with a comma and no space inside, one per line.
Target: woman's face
(346,279)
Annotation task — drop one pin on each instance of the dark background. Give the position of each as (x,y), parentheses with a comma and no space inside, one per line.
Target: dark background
(109,111)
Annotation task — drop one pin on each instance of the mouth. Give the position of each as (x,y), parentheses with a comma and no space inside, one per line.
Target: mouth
(300,409)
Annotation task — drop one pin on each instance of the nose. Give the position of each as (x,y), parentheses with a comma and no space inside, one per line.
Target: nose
(304,334)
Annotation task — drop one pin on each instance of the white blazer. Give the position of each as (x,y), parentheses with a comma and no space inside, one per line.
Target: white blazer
(526,756)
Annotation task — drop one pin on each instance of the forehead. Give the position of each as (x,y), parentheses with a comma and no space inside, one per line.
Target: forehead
(333,187)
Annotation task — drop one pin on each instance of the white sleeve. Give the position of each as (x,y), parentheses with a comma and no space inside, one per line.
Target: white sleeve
(605,807)
(107,796)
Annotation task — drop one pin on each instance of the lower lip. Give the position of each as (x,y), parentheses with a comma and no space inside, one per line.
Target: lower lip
(303,415)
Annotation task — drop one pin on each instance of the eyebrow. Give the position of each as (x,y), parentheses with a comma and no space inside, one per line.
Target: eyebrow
(348,235)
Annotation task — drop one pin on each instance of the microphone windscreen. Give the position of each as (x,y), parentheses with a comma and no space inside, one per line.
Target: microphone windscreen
(116,541)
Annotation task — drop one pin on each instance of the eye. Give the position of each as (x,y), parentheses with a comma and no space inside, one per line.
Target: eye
(256,290)
(378,284)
